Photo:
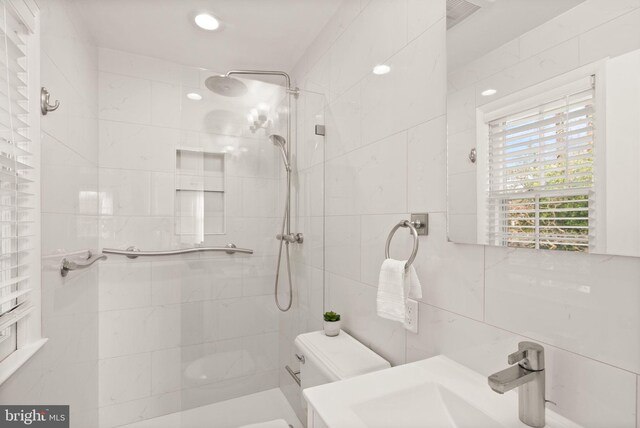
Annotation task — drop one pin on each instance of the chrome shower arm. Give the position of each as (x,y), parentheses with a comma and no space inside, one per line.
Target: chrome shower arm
(266,73)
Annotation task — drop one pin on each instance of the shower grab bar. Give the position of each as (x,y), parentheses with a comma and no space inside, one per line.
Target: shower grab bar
(68,265)
(133,252)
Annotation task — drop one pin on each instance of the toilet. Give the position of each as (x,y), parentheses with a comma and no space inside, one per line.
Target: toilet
(325,359)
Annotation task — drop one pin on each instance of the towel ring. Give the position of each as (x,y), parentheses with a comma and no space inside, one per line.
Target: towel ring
(414,232)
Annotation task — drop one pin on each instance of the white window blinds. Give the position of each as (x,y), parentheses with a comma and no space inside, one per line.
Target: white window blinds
(541,173)
(16,181)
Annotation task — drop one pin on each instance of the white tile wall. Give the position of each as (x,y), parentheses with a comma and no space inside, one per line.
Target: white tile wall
(65,371)
(594,394)
(587,304)
(385,157)
(426,166)
(182,332)
(124,378)
(371,180)
(124,98)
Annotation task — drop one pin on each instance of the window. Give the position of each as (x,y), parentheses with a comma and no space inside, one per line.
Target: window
(19,276)
(540,172)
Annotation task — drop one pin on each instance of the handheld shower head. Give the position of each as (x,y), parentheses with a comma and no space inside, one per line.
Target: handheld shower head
(279,141)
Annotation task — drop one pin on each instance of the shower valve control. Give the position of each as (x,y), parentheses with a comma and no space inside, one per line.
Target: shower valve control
(294,238)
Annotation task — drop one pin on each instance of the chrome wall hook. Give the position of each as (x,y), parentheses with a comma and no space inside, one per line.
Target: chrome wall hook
(473,155)
(45,107)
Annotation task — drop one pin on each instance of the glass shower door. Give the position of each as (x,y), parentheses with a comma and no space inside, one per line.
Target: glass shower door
(230,191)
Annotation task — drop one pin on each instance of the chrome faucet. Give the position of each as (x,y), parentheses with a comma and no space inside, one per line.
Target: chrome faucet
(528,376)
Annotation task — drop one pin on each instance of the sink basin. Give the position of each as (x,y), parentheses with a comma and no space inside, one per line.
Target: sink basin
(436,392)
(429,404)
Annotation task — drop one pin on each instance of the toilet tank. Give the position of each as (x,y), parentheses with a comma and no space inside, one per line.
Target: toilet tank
(328,359)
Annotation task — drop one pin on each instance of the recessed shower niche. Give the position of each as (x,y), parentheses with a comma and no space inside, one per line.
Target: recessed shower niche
(200,194)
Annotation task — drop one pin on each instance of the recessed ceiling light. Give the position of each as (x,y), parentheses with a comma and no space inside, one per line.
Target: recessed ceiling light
(381,69)
(488,92)
(194,96)
(206,22)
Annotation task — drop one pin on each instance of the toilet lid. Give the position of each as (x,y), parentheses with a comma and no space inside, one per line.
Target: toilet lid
(341,355)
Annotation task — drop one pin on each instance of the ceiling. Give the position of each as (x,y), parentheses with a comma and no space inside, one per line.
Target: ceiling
(496,23)
(256,34)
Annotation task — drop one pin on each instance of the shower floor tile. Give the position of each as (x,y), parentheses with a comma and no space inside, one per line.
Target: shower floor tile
(249,409)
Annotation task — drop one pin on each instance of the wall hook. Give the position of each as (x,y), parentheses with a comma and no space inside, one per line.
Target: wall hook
(45,107)
(473,155)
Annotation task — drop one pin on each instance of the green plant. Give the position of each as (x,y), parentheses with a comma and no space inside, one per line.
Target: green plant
(331,317)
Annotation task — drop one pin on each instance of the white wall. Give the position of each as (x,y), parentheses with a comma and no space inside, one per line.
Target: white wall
(622,204)
(65,371)
(386,157)
(181,331)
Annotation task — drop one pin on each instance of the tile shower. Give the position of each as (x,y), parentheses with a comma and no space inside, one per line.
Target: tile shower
(205,326)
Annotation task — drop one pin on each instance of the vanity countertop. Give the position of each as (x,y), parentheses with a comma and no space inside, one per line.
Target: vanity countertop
(436,392)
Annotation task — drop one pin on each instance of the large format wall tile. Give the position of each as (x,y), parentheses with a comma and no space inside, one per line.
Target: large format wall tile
(124,192)
(557,60)
(427,166)
(592,394)
(396,101)
(445,283)
(143,67)
(583,18)
(357,304)
(125,378)
(616,37)
(124,286)
(342,246)
(422,15)
(587,304)
(370,180)
(344,117)
(147,148)
(376,34)
(125,99)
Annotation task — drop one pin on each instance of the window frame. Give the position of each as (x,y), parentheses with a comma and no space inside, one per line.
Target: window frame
(29,329)
(530,97)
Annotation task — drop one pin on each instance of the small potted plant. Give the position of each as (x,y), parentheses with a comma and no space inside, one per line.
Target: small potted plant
(331,324)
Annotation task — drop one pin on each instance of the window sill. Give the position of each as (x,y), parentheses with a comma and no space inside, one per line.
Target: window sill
(13,362)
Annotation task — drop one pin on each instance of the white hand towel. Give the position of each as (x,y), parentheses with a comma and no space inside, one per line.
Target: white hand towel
(394,287)
(415,288)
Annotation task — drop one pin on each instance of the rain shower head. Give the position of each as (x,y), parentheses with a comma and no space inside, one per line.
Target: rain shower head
(226,86)
(279,141)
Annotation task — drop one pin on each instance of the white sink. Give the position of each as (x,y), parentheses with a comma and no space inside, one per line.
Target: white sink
(436,392)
